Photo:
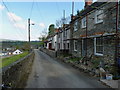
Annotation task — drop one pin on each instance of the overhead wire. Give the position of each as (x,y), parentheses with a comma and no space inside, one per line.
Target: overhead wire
(31,9)
(38,8)
(7,9)
(20,33)
(58,9)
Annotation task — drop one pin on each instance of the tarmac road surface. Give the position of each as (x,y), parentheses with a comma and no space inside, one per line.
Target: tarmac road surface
(50,73)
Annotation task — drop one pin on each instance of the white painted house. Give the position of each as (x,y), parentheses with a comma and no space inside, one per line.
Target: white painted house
(3,53)
(16,52)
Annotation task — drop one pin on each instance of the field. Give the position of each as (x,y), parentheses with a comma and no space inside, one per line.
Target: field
(7,61)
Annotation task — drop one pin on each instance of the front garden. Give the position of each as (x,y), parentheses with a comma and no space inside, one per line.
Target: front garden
(90,65)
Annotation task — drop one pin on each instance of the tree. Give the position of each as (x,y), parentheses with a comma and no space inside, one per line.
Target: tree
(60,22)
(44,33)
(26,47)
(17,47)
(42,39)
(51,29)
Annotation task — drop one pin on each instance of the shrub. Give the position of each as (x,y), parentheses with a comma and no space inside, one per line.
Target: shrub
(73,59)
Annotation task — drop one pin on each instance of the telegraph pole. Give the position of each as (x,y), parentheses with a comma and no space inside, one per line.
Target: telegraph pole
(29,30)
(73,8)
(63,17)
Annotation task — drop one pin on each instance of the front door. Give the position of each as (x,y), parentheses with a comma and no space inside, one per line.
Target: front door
(50,46)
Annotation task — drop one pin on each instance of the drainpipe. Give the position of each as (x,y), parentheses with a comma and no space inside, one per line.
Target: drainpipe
(87,3)
(86,35)
(116,38)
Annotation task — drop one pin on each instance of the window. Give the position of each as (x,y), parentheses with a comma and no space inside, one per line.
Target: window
(99,16)
(65,33)
(75,45)
(98,46)
(75,25)
(84,22)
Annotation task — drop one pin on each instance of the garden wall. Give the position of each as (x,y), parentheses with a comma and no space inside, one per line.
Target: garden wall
(49,52)
(17,73)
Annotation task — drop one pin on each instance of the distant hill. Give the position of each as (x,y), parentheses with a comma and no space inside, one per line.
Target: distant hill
(6,43)
(16,40)
(7,40)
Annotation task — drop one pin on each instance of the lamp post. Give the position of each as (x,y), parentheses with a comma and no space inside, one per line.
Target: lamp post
(29,29)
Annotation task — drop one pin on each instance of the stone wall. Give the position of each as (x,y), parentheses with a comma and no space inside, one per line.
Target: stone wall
(16,74)
(49,52)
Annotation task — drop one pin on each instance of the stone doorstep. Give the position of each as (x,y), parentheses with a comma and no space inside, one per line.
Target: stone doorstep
(110,83)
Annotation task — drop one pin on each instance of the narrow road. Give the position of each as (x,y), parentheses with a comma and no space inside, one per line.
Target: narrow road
(49,73)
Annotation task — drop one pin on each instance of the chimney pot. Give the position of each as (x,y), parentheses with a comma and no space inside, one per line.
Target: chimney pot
(88,3)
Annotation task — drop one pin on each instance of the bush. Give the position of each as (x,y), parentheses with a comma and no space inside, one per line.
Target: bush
(116,77)
(95,63)
(66,55)
(26,47)
(73,59)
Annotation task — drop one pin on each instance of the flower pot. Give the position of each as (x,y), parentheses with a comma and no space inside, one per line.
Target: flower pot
(109,76)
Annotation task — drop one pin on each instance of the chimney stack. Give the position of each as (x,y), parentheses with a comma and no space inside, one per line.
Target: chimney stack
(88,3)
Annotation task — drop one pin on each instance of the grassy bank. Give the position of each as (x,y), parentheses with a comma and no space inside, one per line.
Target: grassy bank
(7,61)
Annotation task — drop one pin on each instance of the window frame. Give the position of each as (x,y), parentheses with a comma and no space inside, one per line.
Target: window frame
(83,25)
(98,13)
(76,25)
(95,47)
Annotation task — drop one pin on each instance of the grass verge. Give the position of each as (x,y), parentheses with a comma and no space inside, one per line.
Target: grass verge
(7,61)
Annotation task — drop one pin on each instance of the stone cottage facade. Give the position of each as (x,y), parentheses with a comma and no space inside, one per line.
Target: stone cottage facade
(63,39)
(93,33)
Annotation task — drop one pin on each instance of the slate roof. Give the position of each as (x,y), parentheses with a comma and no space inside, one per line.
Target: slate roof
(88,9)
(92,7)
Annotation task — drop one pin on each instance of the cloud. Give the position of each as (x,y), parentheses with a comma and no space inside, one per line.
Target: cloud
(1,7)
(20,26)
(14,17)
(42,25)
(17,20)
